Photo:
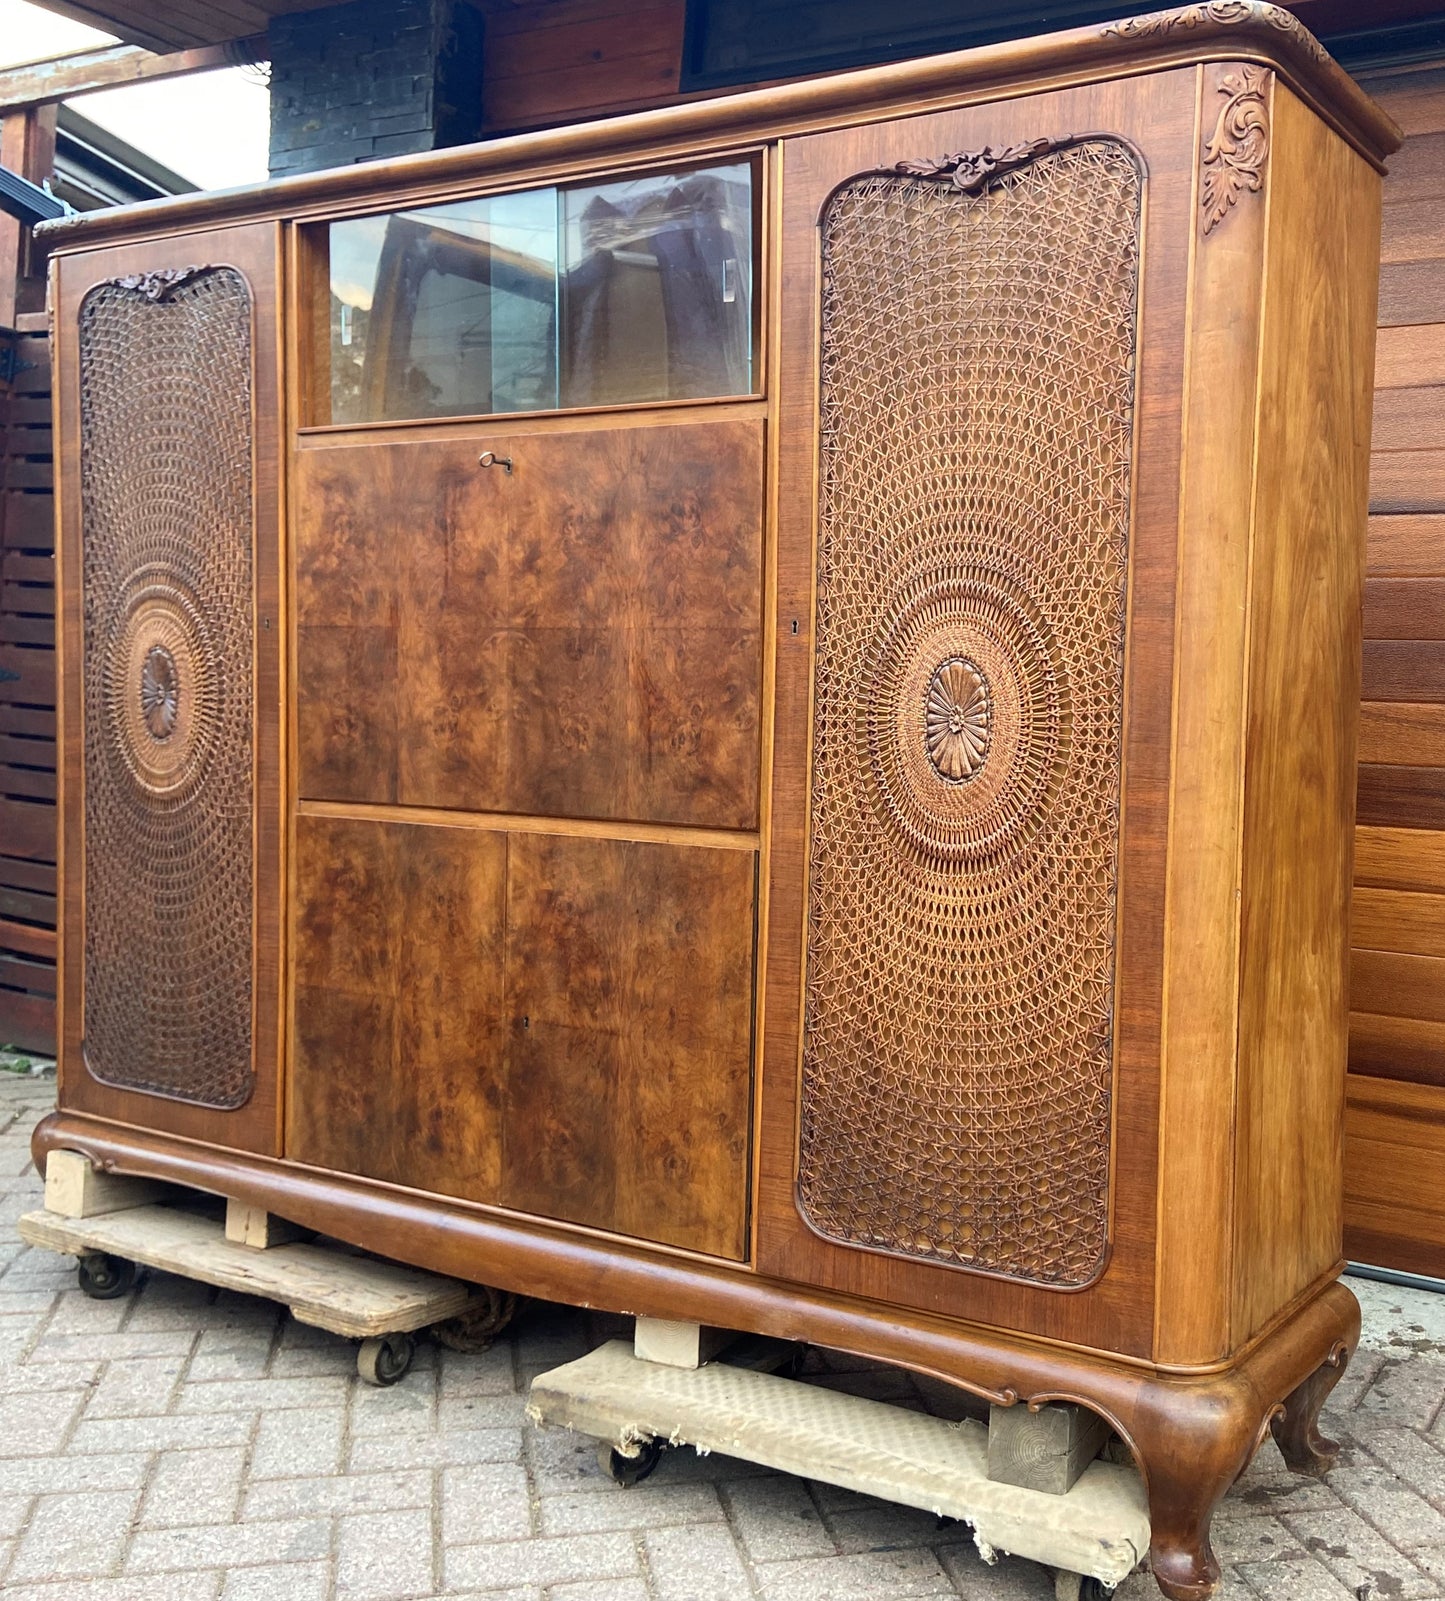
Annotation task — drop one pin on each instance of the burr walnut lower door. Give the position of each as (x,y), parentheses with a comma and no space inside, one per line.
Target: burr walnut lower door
(557,1025)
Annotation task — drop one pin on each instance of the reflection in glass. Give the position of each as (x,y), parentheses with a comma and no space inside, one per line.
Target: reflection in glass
(610,294)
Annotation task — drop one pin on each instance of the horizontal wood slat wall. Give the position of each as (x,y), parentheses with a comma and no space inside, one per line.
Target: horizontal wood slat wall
(27,698)
(1395,1120)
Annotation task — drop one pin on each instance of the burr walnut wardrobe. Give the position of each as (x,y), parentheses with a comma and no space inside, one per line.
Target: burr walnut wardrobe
(746,714)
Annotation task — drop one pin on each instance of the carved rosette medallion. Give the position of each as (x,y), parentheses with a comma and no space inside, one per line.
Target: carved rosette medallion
(956,720)
(1236,152)
(160,692)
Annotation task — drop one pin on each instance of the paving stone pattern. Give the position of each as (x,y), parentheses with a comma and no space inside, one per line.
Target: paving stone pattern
(188,1445)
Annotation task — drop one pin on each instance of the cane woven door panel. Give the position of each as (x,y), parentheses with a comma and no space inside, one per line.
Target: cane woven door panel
(978,336)
(171,627)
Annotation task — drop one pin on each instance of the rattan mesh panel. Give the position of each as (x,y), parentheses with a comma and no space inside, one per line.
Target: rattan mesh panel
(977,399)
(166,496)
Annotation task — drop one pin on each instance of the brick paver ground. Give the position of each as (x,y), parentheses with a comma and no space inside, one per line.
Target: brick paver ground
(185,1445)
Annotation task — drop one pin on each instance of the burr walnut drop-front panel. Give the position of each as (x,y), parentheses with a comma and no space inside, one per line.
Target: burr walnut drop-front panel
(167,665)
(977,351)
(576,637)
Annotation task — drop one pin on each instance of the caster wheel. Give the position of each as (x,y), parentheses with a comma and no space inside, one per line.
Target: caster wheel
(628,1470)
(105,1278)
(385,1359)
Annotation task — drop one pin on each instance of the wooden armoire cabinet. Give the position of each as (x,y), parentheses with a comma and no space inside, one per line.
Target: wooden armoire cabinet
(746,714)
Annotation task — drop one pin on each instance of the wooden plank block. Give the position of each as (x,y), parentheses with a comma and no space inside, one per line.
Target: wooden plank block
(1412,230)
(1408,419)
(1398,920)
(1407,481)
(32,411)
(1405,1048)
(1404,669)
(36,876)
(1416,100)
(28,782)
(20,472)
(18,751)
(1100,1527)
(27,675)
(33,441)
(75,1189)
(24,973)
(26,940)
(1417,169)
(25,906)
(1411,292)
(1400,858)
(1400,797)
(1405,546)
(1407,1122)
(1046,1450)
(35,720)
(27,630)
(27,522)
(18,568)
(678,1345)
(27,830)
(1402,733)
(356,1296)
(1405,608)
(1398,985)
(29,600)
(1410,355)
(28,1021)
(259,1229)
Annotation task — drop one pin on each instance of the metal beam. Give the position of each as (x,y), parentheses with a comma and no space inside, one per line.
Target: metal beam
(40,83)
(25,200)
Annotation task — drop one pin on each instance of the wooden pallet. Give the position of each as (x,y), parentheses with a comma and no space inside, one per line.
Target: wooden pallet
(1100,1528)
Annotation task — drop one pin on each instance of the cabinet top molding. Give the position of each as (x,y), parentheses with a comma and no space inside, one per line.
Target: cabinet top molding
(1215,30)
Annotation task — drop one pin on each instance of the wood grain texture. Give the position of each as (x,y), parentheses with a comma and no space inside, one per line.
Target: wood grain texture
(1406,547)
(580,637)
(1117,1310)
(1397,920)
(1400,858)
(1404,669)
(397,1063)
(1398,984)
(1398,796)
(1409,1049)
(629,1006)
(559,1025)
(1310,513)
(1394,1154)
(1402,734)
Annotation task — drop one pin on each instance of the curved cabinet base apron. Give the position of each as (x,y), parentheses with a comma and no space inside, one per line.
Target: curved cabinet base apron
(1192,1434)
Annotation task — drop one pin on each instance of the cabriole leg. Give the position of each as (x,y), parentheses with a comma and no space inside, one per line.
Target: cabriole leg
(1297,1432)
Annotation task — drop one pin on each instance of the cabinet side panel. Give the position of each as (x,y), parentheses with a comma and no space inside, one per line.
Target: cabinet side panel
(1317,354)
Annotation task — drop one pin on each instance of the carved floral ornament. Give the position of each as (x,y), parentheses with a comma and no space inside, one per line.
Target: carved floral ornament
(1235,153)
(159,285)
(1221,14)
(971,170)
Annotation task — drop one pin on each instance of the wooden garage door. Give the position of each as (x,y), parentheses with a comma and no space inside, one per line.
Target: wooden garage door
(1395,1124)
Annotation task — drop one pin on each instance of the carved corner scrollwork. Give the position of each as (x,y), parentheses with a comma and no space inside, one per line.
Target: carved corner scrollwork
(1223,14)
(1235,153)
(161,284)
(971,170)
